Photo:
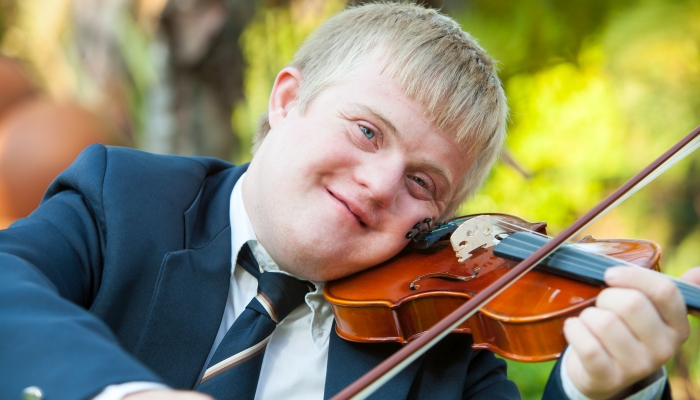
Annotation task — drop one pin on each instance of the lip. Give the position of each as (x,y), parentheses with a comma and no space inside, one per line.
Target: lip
(354,208)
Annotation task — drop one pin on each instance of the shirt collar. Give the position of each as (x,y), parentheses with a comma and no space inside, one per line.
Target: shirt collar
(242,232)
(241,228)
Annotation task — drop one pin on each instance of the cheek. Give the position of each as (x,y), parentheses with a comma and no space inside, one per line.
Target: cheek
(321,144)
(375,253)
(402,221)
(393,238)
(393,246)
(412,211)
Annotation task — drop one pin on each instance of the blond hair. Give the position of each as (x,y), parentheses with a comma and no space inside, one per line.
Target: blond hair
(432,61)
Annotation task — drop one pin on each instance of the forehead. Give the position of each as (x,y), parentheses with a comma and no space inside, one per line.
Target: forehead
(371,90)
(375,73)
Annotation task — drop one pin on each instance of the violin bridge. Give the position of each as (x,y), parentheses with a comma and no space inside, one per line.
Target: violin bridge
(473,233)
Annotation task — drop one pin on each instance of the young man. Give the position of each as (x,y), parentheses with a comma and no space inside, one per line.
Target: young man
(127,280)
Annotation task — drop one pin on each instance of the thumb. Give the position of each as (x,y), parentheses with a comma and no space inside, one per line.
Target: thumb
(692,275)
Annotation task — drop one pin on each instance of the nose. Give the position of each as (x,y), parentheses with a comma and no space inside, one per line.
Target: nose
(383,177)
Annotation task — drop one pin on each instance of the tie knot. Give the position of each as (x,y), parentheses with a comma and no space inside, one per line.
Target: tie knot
(280,294)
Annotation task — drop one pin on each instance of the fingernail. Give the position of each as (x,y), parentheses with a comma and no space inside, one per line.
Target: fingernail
(612,274)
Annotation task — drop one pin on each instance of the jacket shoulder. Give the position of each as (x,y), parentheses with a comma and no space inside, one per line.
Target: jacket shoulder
(98,162)
(116,177)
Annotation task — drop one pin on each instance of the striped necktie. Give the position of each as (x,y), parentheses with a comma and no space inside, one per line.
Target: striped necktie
(234,368)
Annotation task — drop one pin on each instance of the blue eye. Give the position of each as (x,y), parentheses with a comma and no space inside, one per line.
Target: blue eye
(419,181)
(367,132)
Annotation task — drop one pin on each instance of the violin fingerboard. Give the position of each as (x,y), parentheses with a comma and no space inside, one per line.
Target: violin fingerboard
(573,263)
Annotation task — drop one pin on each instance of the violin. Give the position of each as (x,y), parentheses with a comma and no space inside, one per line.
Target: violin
(547,253)
(447,265)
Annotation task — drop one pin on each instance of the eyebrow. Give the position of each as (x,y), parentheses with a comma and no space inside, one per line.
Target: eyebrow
(392,129)
(431,165)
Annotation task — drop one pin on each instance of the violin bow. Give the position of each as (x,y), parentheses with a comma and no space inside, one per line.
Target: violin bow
(386,370)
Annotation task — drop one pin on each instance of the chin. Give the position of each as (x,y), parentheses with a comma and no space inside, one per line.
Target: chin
(316,274)
(327,277)
(325,261)
(325,273)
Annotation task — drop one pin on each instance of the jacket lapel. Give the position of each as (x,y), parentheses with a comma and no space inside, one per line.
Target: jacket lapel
(190,297)
(348,361)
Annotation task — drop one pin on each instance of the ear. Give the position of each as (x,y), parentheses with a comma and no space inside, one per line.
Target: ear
(284,95)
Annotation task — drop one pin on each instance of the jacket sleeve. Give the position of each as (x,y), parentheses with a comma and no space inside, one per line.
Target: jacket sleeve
(487,378)
(554,389)
(50,271)
(453,370)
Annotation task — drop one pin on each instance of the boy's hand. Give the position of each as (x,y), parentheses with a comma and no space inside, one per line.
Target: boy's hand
(638,323)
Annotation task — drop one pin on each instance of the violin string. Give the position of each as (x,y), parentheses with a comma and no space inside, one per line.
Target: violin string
(690,292)
(582,264)
(505,224)
(586,266)
(518,228)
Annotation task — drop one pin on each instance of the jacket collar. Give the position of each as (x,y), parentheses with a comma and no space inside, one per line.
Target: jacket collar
(189,300)
(209,213)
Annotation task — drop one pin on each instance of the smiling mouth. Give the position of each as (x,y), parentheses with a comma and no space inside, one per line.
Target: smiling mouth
(357,217)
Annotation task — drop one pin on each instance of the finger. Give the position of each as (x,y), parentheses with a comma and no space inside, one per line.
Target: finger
(636,312)
(577,371)
(692,275)
(662,292)
(592,359)
(636,359)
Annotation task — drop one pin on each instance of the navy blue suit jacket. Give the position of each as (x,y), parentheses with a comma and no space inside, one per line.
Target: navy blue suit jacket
(122,275)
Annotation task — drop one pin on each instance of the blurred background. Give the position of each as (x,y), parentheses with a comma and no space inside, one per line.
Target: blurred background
(597,90)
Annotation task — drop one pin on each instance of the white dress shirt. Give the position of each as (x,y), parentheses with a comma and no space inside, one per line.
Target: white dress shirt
(294,365)
(652,392)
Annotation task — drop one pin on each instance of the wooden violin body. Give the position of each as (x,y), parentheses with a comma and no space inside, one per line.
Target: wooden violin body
(524,323)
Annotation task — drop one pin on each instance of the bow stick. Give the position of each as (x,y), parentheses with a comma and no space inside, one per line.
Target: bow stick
(386,370)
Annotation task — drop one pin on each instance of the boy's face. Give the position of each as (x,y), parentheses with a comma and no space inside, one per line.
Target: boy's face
(334,191)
